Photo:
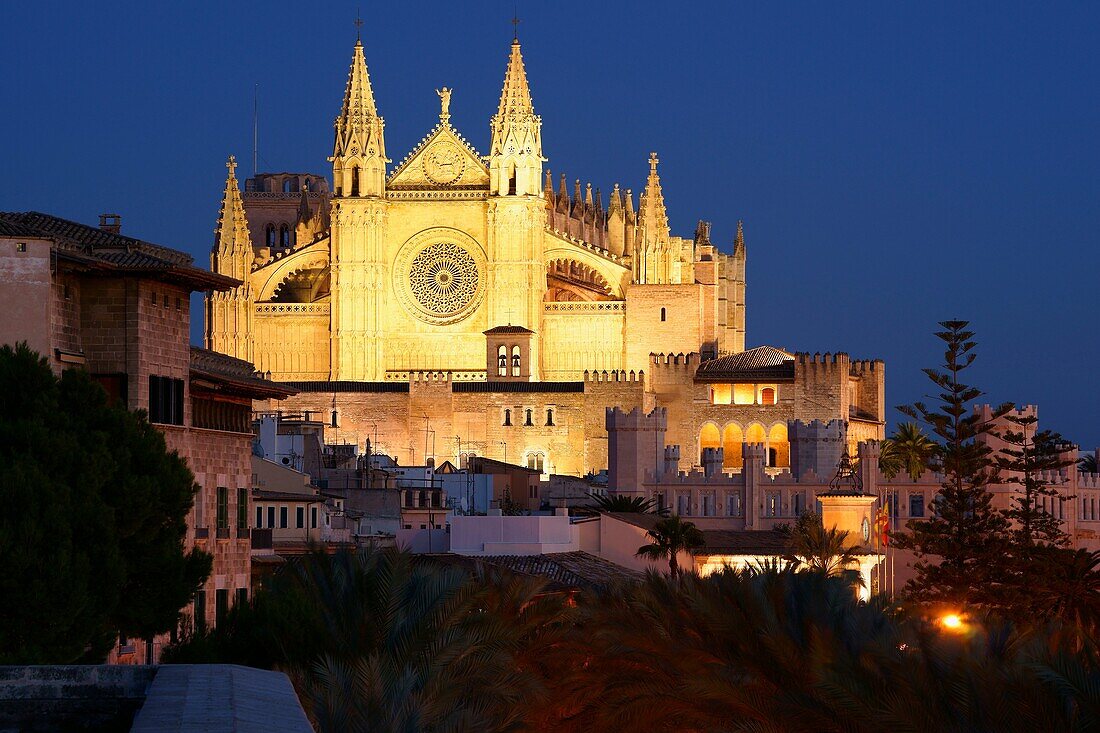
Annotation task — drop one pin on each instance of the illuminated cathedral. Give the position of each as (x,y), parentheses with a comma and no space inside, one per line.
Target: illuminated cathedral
(468,296)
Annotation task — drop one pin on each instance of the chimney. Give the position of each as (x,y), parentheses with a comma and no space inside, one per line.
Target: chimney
(110,223)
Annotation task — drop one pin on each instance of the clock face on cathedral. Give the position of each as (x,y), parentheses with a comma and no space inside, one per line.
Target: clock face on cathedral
(438,276)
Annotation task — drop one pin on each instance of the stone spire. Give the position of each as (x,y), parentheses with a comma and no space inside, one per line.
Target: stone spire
(515,152)
(739,240)
(359,151)
(652,217)
(232,254)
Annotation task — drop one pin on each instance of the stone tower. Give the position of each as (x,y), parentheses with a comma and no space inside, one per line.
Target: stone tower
(516,211)
(359,208)
(230,313)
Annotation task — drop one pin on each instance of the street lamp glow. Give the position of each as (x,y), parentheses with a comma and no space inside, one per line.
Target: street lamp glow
(951,622)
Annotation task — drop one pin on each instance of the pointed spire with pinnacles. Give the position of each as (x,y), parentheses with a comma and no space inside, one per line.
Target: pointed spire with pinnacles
(231,238)
(359,142)
(516,148)
(652,216)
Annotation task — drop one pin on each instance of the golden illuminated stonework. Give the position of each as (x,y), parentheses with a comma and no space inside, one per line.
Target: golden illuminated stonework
(439,276)
(444,163)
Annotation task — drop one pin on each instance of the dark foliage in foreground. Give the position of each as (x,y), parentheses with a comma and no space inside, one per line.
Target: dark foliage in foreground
(91,535)
(382,641)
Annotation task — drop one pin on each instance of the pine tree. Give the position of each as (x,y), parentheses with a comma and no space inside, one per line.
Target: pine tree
(1027,461)
(959,548)
(91,536)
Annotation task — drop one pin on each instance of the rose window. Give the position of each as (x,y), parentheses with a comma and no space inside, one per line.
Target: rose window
(443,278)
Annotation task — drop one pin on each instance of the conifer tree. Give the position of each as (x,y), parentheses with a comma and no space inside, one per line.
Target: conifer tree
(959,548)
(1027,461)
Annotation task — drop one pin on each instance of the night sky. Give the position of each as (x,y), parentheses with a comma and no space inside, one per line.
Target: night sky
(894,165)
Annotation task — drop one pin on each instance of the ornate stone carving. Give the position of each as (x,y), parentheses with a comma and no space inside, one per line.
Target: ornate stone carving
(444,162)
(439,275)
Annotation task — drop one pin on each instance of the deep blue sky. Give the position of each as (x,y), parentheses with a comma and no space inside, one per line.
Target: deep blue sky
(894,164)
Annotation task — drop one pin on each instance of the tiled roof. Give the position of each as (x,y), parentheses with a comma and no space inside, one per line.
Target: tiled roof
(761,362)
(110,251)
(562,570)
(508,329)
(238,374)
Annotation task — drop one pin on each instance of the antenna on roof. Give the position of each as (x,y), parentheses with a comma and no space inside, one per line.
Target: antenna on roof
(255,127)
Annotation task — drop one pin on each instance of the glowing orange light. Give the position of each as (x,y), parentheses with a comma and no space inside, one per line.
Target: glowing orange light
(951,621)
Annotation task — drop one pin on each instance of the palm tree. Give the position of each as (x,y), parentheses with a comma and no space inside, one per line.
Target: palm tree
(908,449)
(627,504)
(820,550)
(670,537)
(1087,463)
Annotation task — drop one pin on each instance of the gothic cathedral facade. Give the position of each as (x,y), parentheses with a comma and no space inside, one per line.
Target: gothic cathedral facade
(398,270)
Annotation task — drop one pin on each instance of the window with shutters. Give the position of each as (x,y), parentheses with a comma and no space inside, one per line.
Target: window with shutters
(223,507)
(165,400)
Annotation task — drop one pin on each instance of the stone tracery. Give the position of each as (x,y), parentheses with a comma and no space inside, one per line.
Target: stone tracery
(443,278)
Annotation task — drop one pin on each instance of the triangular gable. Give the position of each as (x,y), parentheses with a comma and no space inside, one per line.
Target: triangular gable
(443,159)
(446,467)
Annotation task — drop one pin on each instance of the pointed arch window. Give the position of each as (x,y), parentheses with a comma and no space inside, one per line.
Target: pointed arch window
(507,417)
(269,235)
(355,181)
(515,361)
(549,415)
(284,236)
(502,361)
(528,417)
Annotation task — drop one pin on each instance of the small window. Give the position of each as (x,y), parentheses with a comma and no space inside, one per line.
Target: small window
(154,299)
(916,505)
(221,605)
(164,301)
(179,304)
(165,400)
(663,314)
(772,455)
(282,517)
(284,236)
(507,417)
(242,596)
(242,508)
(271,517)
(355,181)
(549,416)
(66,293)
(20,246)
(259,516)
(313,517)
(300,517)
(269,235)
(200,610)
(527,419)
(767,396)
(223,507)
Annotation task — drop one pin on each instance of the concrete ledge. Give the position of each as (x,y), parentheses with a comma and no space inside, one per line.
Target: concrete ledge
(72,697)
(220,698)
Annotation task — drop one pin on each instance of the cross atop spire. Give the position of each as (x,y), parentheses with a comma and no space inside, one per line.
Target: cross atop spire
(358,25)
(231,234)
(651,210)
(515,26)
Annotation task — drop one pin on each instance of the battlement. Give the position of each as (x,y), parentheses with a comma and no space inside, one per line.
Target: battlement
(754,452)
(816,446)
(613,375)
(1088,480)
(636,419)
(863,366)
(681,359)
(805,358)
(1025,411)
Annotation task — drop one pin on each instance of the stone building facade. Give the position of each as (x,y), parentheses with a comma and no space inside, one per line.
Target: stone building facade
(119,307)
(460,303)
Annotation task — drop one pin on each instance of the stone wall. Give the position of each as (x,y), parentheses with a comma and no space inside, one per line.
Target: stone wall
(72,697)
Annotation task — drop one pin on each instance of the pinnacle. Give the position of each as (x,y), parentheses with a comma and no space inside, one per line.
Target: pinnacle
(515,97)
(358,110)
(232,228)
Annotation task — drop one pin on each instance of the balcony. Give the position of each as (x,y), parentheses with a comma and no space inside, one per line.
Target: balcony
(223,533)
(243,533)
(202,533)
(261,539)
